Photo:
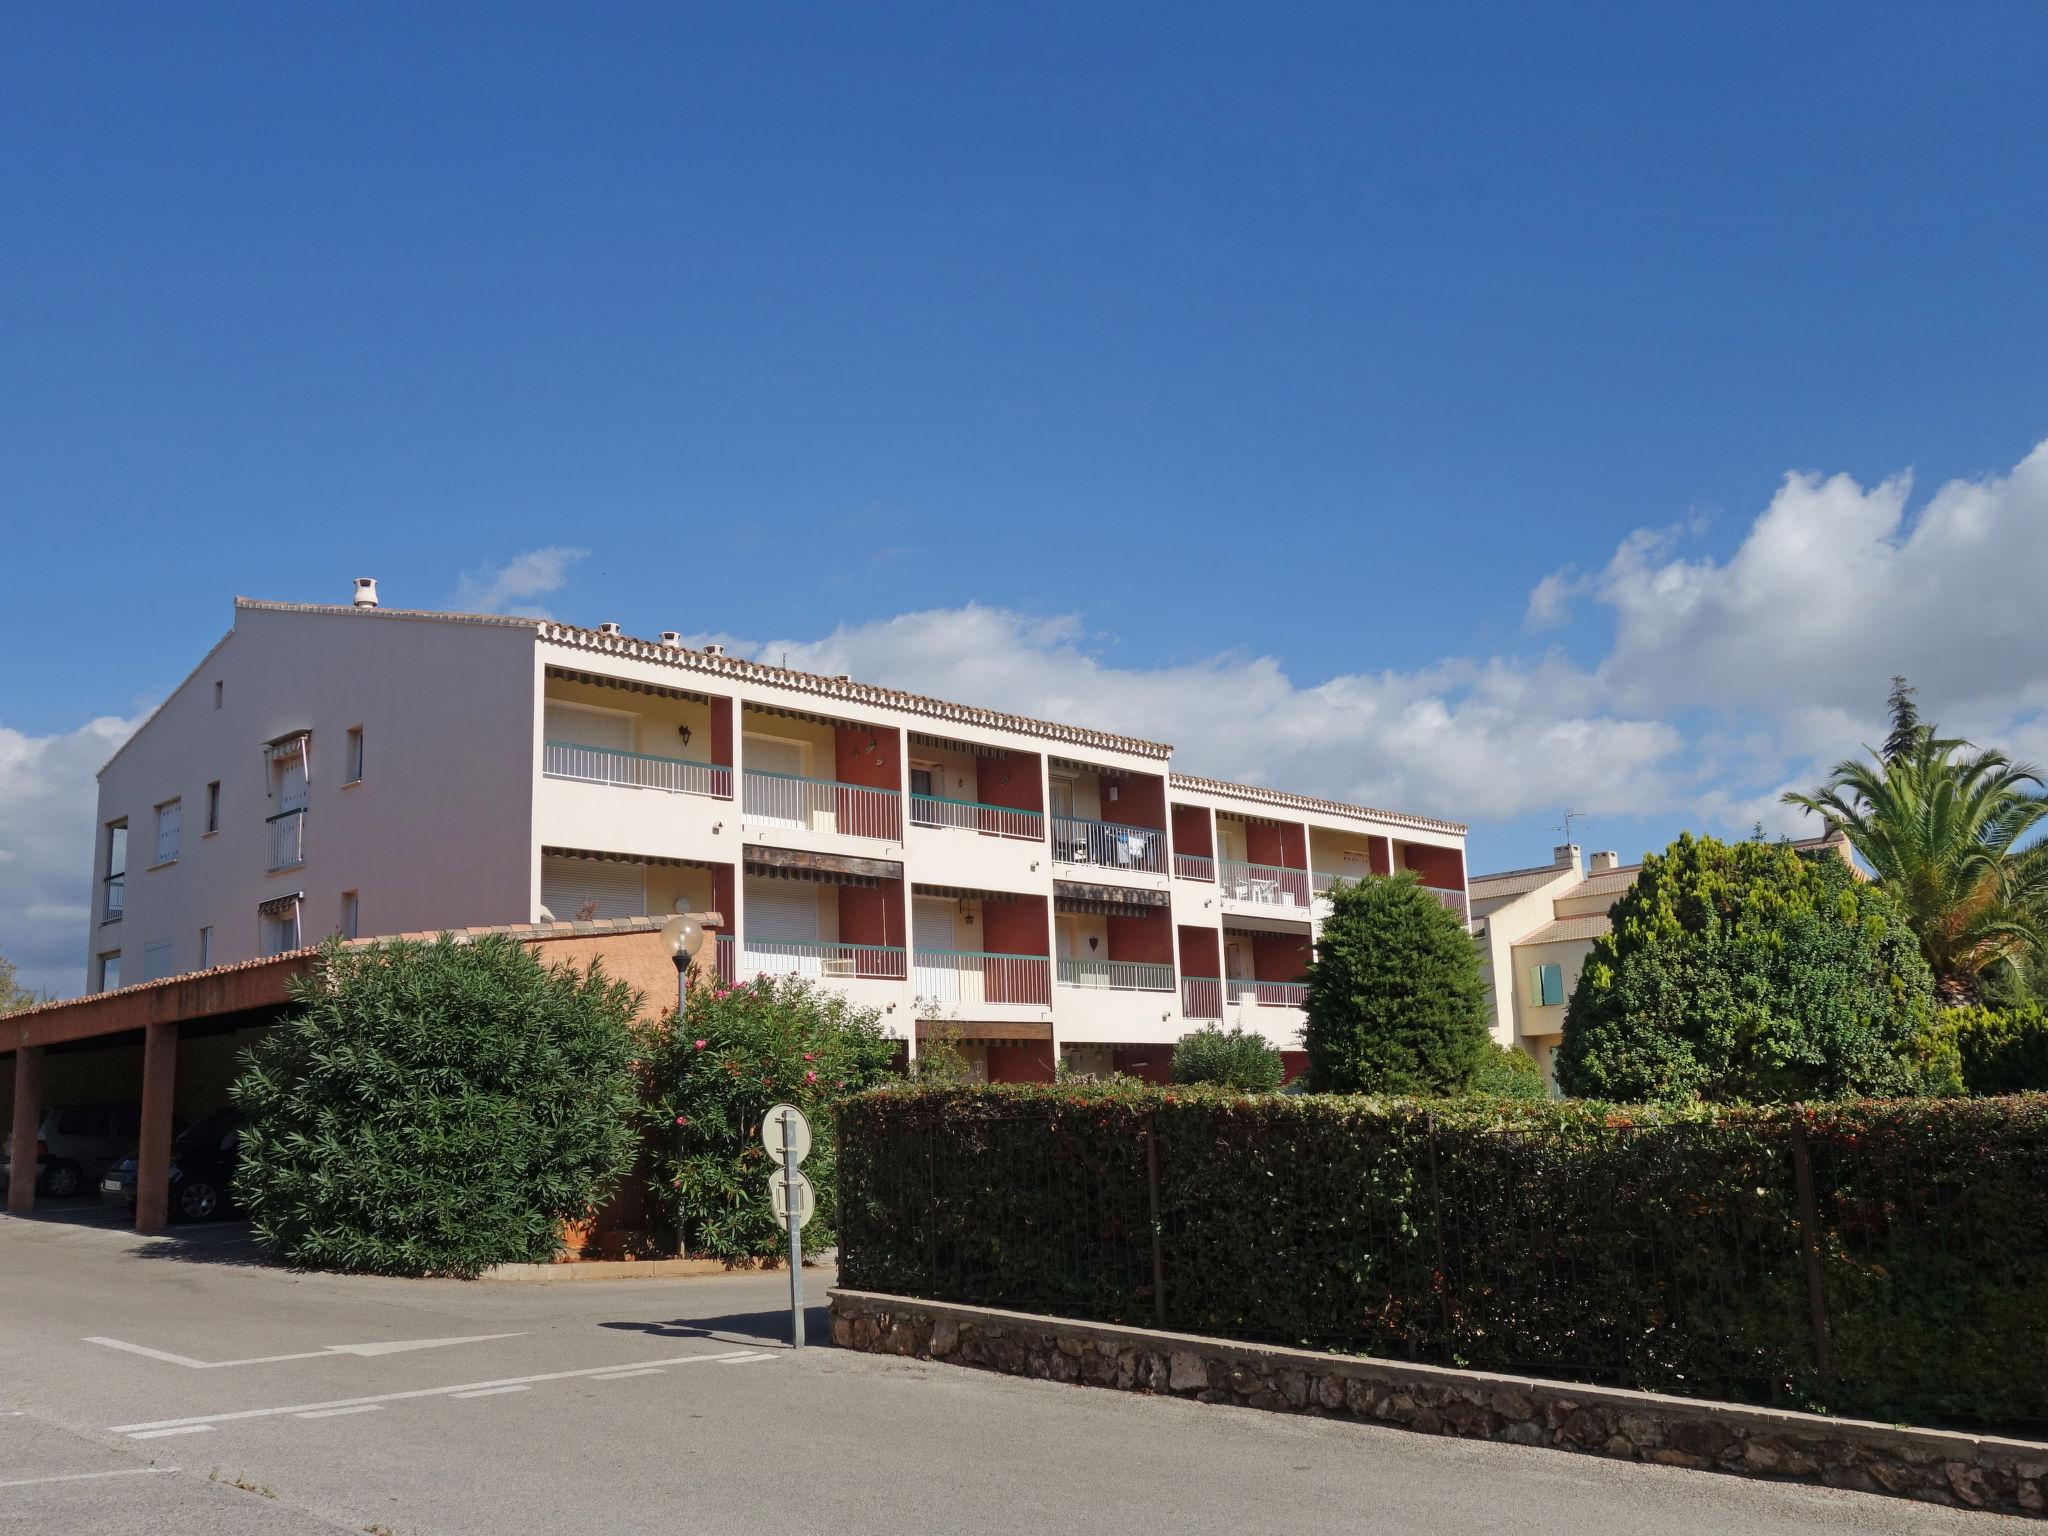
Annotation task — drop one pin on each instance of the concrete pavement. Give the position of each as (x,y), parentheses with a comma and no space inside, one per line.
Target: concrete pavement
(175,1385)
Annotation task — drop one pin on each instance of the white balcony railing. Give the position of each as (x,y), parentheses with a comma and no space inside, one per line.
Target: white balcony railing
(822,959)
(728,966)
(821,805)
(634,770)
(1120,975)
(1077,841)
(1194,866)
(1201,997)
(974,816)
(287,839)
(1267,994)
(1321,881)
(1453,899)
(979,976)
(1267,885)
(116,900)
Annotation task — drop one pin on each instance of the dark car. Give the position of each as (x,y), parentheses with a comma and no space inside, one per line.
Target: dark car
(203,1160)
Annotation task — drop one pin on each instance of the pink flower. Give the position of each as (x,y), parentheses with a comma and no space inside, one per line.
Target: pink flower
(809,1057)
(810,1077)
(682,1119)
(702,1043)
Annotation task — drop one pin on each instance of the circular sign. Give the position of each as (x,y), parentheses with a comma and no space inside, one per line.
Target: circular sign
(771,1132)
(806,1198)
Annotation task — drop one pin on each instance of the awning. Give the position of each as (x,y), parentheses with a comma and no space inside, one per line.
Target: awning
(965,893)
(1107,900)
(626,685)
(655,859)
(280,906)
(826,868)
(971,748)
(285,748)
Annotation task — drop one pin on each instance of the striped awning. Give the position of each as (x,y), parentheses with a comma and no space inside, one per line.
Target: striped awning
(965,893)
(285,748)
(608,857)
(626,685)
(280,906)
(947,744)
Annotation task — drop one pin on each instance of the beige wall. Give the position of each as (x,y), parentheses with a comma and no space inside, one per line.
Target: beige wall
(655,719)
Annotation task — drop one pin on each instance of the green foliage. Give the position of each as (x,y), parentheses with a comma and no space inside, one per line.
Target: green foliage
(1995,1051)
(13,996)
(1746,971)
(1234,1058)
(737,1052)
(433,1109)
(1506,1073)
(1653,1247)
(1395,1000)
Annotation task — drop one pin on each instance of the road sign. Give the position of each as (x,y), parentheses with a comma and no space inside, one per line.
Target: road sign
(806,1198)
(771,1133)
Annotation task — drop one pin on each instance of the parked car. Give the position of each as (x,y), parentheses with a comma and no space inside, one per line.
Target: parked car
(77,1143)
(203,1158)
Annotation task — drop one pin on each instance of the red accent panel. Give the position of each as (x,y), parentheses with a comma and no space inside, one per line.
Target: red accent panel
(721,732)
(1028,1063)
(855,762)
(1140,801)
(1442,867)
(1201,951)
(1280,956)
(1292,1065)
(1147,1063)
(1024,792)
(1382,851)
(722,897)
(1194,830)
(1146,940)
(1016,927)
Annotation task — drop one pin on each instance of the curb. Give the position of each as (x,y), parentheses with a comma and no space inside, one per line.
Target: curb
(611,1269)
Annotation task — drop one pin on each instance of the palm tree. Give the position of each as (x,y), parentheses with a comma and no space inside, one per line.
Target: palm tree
(1942,834)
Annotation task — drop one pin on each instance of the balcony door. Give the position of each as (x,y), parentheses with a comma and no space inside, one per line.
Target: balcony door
(941,977)
(782,928)
(779,802)
(603,729)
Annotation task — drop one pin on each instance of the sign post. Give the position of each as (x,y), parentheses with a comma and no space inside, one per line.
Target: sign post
(786,1136)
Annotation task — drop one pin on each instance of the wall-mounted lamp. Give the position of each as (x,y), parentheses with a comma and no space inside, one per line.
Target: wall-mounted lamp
(1094,941)
(684,732)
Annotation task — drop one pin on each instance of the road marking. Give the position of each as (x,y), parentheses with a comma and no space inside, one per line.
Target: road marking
(487,1392)
(335,1413)
(388,1347)
(207,1419)
(175,1429)
(652,1370)
(79,1477)
(748,1359)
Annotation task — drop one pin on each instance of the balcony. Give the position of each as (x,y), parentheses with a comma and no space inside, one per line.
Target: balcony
(1116,975)
(728,966)
(1109,845)
(1194,866)
(821,805)
(822,959)
(981,977)
(974,816)
(1266,885)
(115,901)
(1452,899)
(1266,994)
(1201,997)
(634,770)
(287,839)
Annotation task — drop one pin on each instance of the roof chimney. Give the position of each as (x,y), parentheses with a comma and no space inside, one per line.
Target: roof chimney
(1607,858)
(714,649)
(672,638)
(1565,855)
(366,591)
(608,629)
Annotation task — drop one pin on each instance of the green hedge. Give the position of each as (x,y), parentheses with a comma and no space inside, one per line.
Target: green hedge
(1654,1248)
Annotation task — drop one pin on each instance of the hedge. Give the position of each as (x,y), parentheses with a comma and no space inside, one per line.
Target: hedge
(1653,1248)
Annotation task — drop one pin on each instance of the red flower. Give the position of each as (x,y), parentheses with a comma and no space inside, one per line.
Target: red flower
(809,1057)
(701,1044)
(810,1077)
(682,1119)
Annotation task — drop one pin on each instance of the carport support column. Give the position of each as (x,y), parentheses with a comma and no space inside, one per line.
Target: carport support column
(153,1158)
(28,1114)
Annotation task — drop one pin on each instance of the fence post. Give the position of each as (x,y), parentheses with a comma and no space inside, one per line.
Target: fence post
(1158,1233)
(1809,1240)
(1436,1220)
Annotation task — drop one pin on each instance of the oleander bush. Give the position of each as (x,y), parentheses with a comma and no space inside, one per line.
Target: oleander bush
(1652,1247)
(435,1108)
(1227,1058)
(1506,1073)
(737,1052)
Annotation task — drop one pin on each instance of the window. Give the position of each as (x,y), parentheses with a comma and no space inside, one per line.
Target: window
(115,880)
(216,693)
(205,948)
(109,969)
(354,756)
(156,959)
(213,807)
(167,818)
(1546,985)
(280,925)
(350,910)
(924,786)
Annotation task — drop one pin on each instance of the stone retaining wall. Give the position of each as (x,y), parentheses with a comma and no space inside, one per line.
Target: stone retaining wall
(1937,1466)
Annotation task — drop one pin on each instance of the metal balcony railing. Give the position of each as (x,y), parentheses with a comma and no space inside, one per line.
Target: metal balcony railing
(287,839)
(116,898)
(974,816)
(981,976)
(1320,881)
(1267,994)
(728,966)
(1453,899)
(1270,885)
(1194,866)
(634,770)
(1078,841)
(822,959)
(821,805)
(1121,975)
(1201,997)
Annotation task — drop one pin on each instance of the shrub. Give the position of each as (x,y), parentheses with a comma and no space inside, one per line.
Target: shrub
(1395,999)
(1995,1050)
(1234,1058)
(1506,1073)
(1652,1247)
(435,1108)
(737,1052)
(1746,971)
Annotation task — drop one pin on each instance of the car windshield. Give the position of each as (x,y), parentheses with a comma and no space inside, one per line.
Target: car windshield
(210,1129)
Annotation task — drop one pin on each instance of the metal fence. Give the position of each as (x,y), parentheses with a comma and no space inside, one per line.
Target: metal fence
(634,770)
(975,976)
(1201,997)
(1125,975)
(1270,885)
(1107,843)
(822,805)
(822,959)
(287,839)
(1267,994)
(976,816)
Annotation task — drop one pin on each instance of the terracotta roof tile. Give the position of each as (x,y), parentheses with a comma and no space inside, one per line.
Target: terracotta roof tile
(1293,801)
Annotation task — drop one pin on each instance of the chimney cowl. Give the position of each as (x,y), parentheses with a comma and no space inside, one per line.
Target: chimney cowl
(1565,855)
(608,629)
(366,592)
(713,648)
(1607,858)
(672,638)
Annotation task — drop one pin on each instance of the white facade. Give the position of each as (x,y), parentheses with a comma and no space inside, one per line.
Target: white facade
(1032,888)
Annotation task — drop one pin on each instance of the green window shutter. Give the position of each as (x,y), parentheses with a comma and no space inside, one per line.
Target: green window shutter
(1552,985)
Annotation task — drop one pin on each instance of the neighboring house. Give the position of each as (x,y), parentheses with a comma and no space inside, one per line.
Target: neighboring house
(1535,928)
(1042,891)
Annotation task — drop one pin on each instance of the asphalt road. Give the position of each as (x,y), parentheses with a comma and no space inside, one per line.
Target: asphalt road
(175,1386)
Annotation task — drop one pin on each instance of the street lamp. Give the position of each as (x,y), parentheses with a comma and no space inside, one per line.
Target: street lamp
(683,936)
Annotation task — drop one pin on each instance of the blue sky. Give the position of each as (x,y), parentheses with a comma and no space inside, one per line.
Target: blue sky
(1236,375)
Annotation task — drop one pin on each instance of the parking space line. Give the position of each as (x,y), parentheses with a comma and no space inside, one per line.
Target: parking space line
(651,1370)
(79,1477)
(749,1359)
(335,1413)
(487,1392)
(175,1429)
(206,1420)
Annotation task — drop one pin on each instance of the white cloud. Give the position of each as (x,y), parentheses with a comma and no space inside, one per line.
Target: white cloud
(512,586)
(46,810)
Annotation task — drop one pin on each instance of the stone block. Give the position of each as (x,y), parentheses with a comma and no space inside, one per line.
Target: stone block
(945,1338)
(1187,1371)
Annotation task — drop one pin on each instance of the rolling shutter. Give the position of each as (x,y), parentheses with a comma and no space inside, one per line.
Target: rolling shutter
(781,909)
(589,728)
(616,889)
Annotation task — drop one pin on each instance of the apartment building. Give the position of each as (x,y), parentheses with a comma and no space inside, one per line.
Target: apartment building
(1037,891)
(1535,928)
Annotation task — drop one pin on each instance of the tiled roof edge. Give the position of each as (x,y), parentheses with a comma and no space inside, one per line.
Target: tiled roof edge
(1312,803)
